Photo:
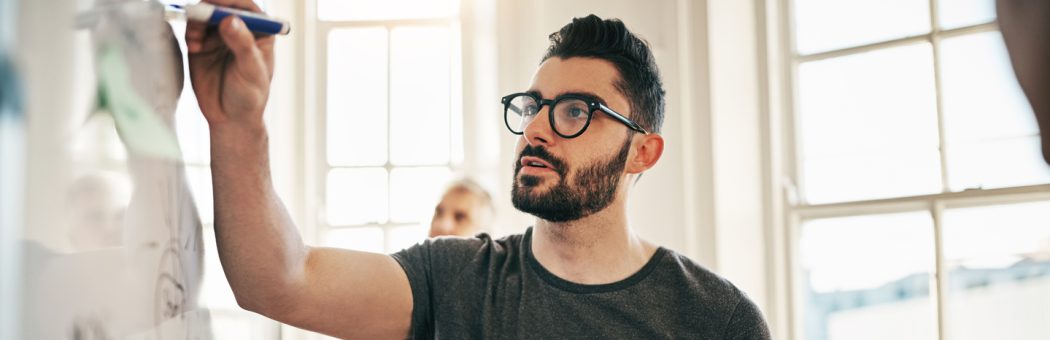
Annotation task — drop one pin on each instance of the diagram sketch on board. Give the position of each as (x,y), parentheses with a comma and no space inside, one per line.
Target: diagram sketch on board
(142,283)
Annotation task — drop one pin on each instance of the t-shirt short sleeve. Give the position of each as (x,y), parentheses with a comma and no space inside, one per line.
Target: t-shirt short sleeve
(746,322)
(430,266)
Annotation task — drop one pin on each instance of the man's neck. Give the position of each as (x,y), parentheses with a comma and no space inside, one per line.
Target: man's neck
(597,249)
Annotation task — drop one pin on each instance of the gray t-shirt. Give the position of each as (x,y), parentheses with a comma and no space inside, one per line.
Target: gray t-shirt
(480,288)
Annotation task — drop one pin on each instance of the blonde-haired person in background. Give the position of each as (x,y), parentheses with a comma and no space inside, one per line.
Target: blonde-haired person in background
(464,210)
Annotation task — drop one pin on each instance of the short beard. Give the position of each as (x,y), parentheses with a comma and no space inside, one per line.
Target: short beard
(594,188)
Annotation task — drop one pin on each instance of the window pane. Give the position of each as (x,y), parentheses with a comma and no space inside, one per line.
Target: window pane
(868,125)
(996,164)
(415,192)
(884,175)
(990,129)
(868,277)
(385,9)
(822,25)
(357,97)
(199,180)
(420,96)
(357,196)
(959,13)
(982,99)
(368,239)
(404,237)
(998,260)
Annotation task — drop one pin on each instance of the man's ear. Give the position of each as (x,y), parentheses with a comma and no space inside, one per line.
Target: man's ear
(647,150)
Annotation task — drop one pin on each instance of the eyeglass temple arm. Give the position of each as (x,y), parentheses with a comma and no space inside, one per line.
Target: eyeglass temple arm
(506,101)
(630,124)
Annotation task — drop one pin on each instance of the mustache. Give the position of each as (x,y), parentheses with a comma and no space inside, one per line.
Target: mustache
(541,153)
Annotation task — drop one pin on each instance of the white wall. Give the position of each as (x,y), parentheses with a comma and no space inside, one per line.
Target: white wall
(737,113)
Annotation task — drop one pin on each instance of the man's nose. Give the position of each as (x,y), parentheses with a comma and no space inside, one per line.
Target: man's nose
(539,130)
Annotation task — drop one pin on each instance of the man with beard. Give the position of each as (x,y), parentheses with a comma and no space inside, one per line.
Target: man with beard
(589,125)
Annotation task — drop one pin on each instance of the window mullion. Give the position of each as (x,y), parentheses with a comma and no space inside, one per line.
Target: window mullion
(980,197)
(939,285)
(793,136)
(935,44)
(885,44)
(796,316)
(792,172)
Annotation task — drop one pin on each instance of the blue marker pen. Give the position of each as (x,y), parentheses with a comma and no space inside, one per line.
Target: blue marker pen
(213,15)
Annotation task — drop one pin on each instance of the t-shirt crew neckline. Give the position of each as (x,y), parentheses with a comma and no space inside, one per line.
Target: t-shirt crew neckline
(579,288)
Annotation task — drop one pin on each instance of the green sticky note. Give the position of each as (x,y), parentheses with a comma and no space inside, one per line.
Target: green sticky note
(139,127)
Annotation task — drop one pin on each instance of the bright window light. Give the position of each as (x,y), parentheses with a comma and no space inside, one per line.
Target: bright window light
(868,277)
(420,95)
(868,125)
(358,10)
(357,97)
(998,259)
(822,25)
(357,196)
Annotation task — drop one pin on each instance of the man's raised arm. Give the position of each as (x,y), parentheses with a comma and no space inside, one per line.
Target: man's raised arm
(342,293)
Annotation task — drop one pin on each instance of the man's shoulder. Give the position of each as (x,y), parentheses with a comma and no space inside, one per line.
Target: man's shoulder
(455,249)
(714,296)
(479,240)
(698,278)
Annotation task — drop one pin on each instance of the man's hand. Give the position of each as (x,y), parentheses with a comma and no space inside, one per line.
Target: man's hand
(230,69)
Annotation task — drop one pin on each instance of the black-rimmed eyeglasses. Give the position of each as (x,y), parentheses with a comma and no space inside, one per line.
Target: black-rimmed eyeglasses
(570,114)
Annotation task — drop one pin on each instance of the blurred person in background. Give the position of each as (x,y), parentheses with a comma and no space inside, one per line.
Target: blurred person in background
(464,210)
(96,203)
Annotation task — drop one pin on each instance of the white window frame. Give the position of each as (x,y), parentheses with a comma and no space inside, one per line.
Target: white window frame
(317,148)
(783,82)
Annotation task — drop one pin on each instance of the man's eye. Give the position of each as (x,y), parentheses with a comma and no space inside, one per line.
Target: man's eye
(576,112)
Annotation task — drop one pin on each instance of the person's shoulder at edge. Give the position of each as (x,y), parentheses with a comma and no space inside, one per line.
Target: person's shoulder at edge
(746,320)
